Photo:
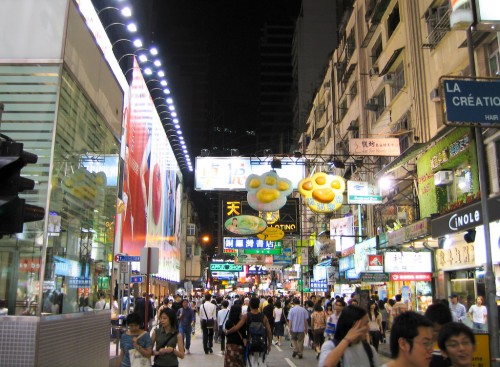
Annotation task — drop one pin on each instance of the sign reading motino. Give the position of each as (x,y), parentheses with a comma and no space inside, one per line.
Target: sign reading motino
(227,267)
(471,102)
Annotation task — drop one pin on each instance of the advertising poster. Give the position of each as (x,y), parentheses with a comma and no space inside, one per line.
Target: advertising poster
(152,187)
(342,231)
(136,170)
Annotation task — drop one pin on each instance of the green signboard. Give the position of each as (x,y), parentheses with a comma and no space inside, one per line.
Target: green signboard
(226,267)
(263,251)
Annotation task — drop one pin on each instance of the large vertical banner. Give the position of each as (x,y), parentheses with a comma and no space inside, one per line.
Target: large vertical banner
(152,188)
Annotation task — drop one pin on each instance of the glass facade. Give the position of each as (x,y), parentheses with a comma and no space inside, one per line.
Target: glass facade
(76,180)
(82,205)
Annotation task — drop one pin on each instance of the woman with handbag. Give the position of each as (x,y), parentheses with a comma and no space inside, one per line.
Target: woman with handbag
(135,344)
(235,342)
(167,340)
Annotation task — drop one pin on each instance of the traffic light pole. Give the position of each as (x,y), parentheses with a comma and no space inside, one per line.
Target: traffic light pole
(489,277)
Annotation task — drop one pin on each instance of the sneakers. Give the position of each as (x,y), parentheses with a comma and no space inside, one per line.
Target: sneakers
(300,356)
(187,351)
(294,354)
(211,351)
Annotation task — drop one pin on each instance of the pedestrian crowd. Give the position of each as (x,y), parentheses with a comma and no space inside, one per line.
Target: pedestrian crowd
(341,333)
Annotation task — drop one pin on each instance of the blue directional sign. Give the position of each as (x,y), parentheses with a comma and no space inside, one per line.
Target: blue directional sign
(136,279)
(129,258)
(472,102)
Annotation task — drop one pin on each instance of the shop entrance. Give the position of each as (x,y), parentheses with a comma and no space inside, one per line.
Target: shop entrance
(464,284)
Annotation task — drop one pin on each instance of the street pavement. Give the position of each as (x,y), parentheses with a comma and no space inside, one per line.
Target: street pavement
(278,356)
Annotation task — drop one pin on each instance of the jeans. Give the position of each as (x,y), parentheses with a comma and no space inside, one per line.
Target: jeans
(186,335)
(479,326)
(298,342)
(208,338)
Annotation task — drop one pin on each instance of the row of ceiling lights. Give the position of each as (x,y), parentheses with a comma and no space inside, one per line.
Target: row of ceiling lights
(151,67)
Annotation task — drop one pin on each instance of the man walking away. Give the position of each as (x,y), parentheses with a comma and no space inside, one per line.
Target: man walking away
(207,319)
(221,321)
(186,318)
(298,324)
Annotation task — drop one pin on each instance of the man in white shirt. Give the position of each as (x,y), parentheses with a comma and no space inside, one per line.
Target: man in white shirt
(208,316)
(221,321)
(457,309)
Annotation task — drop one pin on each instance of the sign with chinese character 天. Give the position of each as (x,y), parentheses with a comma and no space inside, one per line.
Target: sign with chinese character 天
(388,147)
(245,225)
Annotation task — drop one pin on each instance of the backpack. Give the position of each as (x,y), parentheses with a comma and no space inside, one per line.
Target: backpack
(257,333)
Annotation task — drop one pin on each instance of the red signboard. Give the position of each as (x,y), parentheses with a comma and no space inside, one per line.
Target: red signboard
(418,277)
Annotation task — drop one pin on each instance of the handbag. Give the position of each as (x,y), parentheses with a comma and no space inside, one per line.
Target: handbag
(137,359)
(209,323)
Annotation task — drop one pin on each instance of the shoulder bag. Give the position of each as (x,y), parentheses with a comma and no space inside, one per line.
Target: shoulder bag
(209,323)
(137,359)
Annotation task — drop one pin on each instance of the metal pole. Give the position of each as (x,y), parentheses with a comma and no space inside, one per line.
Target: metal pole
(146,307)
(489,278)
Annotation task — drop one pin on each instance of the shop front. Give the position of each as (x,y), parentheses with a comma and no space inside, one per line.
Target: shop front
(461,257)
(411,276)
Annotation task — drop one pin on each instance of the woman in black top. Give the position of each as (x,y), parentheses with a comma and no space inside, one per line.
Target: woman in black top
(167,340)
(235,345)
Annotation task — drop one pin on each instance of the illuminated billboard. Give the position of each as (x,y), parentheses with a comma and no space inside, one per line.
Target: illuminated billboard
(230,173)
(152,183)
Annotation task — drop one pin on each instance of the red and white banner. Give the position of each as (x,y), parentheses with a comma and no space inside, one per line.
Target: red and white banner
(412,277)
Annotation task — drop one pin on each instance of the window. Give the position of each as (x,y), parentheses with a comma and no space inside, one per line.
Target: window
(393,21)
(342,110)
(376,50)
(191,229)
(494,58)
(398,81)
(353,90)
(380,103)
(438,24)
(402,129)
(462,184)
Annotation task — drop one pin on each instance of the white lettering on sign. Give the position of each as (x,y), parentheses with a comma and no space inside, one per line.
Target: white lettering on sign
(471,101)
(491,117)
(456,221)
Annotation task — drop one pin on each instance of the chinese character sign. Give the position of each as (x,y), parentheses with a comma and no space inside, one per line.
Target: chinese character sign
(322,193)
(388,147)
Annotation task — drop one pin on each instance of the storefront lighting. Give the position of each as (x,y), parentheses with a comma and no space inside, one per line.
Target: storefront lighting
(142,58)
(161,73)
(181,138)
(171,108)
(385,182)
(126,11)
(157,63)
(170,100)
(176,121)
(148,71)
(137,42)
(163,82)
(132,27)
(173,114)
(153,51)
(166,91)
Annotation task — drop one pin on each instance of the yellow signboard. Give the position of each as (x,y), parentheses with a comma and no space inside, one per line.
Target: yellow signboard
(271,234)
(482,354)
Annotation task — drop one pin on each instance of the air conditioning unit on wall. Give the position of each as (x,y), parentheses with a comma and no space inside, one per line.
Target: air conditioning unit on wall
(443,178)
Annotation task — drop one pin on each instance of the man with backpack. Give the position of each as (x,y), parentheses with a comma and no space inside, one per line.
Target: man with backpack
(258,333)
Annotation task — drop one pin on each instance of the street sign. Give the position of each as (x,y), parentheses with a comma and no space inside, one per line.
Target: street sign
(123,267)
(471,102)
(117,257)
(123,258)
(226,267)
(136,279)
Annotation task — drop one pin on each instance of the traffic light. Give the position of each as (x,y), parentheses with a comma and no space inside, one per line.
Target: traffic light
(14,211)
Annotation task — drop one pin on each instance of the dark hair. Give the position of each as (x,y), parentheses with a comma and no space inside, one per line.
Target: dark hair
(398,298)
(277,304)
(438,313)
(225,303)
(171,316)
(309,303)
(341,301)
(370,303)
(347,319)
(317,307)
(454,329)
(329,306)
(234,314)
(391,302)
(296,301)
(270,301)
(134,319)
(406,326)
(208,297)
(254,303)
(381,304)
